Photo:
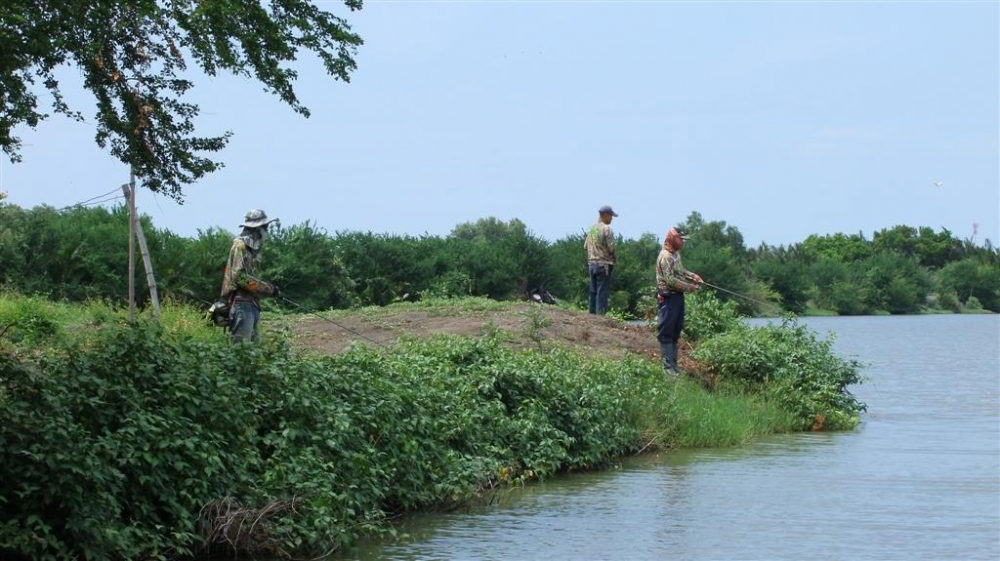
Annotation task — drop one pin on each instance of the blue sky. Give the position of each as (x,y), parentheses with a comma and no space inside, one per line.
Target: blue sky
(783,119)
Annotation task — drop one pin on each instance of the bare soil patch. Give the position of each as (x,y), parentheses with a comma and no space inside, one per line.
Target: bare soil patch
(522,325)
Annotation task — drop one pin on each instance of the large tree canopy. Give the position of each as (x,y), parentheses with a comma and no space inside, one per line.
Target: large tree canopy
(133,55)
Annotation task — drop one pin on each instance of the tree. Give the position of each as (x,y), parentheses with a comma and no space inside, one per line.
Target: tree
(132,54)
(933,250)
(970,279)
(502,259)
(302,260)
(717,233)
(787,278)
(838,247)
(892,282)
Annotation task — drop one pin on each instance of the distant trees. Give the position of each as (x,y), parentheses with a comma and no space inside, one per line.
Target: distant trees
(79,254)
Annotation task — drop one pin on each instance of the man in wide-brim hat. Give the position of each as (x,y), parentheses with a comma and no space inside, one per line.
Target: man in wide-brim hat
(241,288)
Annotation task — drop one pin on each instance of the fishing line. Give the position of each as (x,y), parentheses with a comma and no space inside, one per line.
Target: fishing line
(742,296)
(726,290)
(345,328)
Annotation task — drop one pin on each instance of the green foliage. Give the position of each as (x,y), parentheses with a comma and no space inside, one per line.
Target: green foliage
(110,459)
(502,260)
(932,250)
(388,268)
(189,269)
(634,276)
(303,261)
(837,247)
(568,259)
(788,280)
(831,289)
(970,278)
(690,417)
(161,440)
(28,321)
(133,56)
(80,254)
(788,365)
(893,283)
(707,316)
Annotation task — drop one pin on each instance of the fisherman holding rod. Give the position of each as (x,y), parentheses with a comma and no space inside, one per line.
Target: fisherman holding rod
(672,281)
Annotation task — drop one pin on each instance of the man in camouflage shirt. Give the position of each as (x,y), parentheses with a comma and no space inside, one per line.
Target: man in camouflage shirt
(240,286)
(672,281)
(601,259)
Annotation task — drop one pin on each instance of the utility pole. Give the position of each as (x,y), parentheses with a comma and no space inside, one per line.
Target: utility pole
(130,195)
(135,228)
(136,233)
(147,264)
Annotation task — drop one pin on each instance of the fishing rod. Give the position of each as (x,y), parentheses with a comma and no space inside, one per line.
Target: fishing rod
(726,290)
(345,328)
(326,319)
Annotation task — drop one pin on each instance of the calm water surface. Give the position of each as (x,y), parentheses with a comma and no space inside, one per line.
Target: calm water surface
(920,479)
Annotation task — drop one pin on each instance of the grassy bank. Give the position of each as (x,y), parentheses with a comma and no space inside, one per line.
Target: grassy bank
(161,440)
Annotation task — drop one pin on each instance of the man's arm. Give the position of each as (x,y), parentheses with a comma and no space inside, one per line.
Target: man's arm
(239,278)
(610,244)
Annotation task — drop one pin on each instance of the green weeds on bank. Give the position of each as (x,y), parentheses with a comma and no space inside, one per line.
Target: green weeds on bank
(161,440)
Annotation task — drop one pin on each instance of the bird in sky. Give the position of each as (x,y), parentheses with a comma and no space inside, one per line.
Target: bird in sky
(938,183)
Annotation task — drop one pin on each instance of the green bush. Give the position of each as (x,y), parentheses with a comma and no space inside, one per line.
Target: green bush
(789,364)
(707,316)
(161,440)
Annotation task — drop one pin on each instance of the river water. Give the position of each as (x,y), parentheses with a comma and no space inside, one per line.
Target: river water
(919,479)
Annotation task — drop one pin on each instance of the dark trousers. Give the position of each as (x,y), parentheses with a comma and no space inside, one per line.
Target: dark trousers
(670,317)
(600,288)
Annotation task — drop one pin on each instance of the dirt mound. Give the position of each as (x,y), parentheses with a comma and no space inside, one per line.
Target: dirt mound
(523,325)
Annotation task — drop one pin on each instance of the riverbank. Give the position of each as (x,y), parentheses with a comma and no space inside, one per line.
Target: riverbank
(161,439)
(519,325)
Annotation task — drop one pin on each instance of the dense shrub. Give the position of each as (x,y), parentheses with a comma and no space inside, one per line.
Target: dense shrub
(161,440)
(789,364)
(707,316)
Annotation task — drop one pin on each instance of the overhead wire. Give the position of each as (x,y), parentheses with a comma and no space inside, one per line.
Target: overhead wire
(104,197)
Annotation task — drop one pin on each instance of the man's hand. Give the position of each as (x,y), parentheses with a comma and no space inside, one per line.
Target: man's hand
(275,291)
(693,277)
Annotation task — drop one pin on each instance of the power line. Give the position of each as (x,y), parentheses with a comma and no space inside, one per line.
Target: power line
(108,200)
(91,200)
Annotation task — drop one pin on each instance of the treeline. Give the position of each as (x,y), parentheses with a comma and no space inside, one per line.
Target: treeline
(78,254)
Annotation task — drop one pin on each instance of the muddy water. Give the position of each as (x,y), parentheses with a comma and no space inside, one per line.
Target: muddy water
(920,479)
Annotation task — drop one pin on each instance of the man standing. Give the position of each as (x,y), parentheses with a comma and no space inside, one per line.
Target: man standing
(672,281)
(601,258)
(240,286)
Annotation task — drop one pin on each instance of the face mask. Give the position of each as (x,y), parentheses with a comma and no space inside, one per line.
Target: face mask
(256,239)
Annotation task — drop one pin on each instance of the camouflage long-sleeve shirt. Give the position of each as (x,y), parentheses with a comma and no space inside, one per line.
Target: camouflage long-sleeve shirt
(669,271)
(240,277)
(600,244)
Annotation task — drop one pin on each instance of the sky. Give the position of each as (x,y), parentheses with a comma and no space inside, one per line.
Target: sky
(782,119)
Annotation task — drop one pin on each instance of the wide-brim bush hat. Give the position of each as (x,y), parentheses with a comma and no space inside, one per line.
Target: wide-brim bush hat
(256,218)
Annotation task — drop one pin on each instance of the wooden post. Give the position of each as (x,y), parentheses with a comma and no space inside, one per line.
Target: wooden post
(148,265)
(130,196)
(135,232)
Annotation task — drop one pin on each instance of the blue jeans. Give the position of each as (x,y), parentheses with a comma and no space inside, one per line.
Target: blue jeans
(244,322)
(600,288)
